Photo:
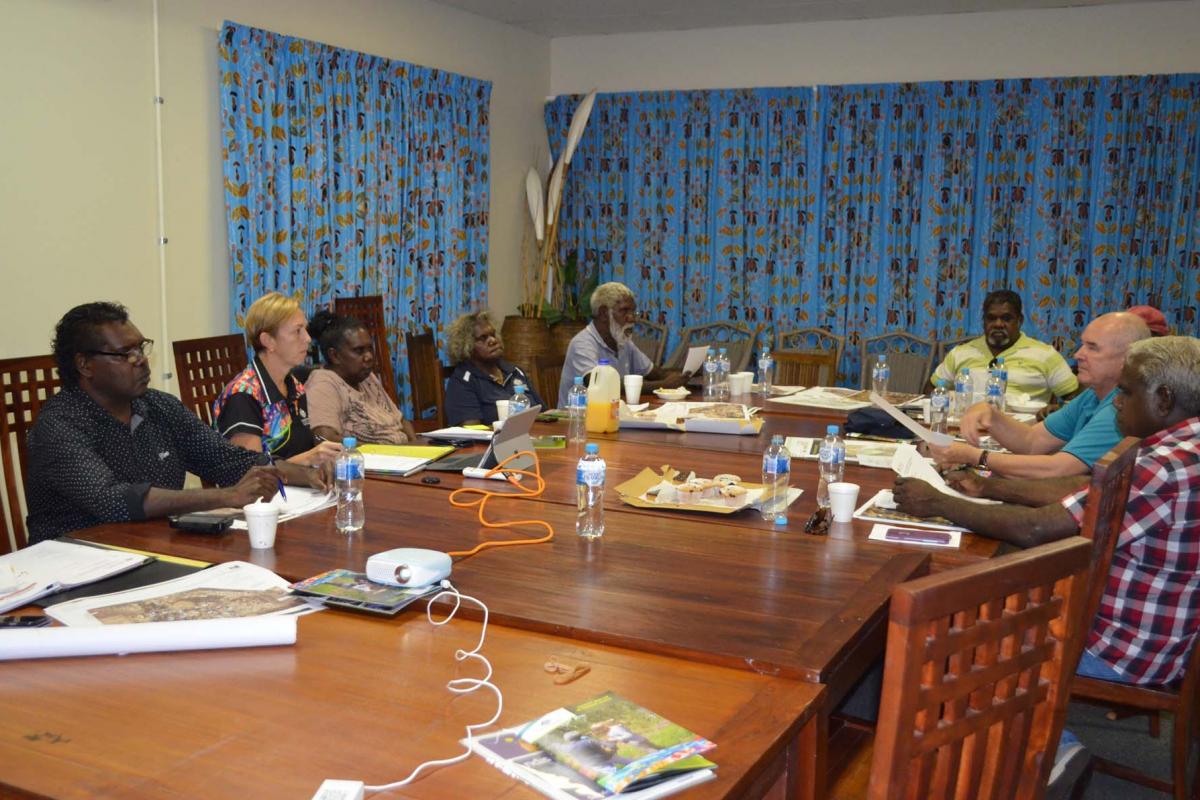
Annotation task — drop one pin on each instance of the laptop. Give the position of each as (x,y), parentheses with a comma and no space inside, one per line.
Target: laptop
(512,438)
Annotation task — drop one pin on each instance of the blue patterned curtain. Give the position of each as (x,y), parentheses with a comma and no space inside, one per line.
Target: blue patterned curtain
(1079,193)
(699,201)
(350,174)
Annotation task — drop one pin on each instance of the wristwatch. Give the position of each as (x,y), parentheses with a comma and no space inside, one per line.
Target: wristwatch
(983,457)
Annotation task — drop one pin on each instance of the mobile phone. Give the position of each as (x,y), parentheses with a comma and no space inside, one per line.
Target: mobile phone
(202,522)
(913,535)
(8,622)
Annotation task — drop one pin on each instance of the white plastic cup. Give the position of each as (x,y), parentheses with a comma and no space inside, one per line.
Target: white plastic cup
(740,382)
(261,521)
(843,499)
(633,389)
(502,409)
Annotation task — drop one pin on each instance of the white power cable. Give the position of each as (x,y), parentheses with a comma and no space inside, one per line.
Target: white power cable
(457,685)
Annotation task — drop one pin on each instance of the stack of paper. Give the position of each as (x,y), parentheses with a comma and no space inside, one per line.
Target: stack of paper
(400,459)
(475,433)
(51,566)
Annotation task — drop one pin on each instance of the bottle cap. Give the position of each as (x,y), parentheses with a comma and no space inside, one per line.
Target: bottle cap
(781,520)
(831,430)
(777,439)
(711,350)
(722,351)
(519,388)
(578,380)
(999,359)
(591,449)
(882,357)
(939,383)
(349,442)
(604,362)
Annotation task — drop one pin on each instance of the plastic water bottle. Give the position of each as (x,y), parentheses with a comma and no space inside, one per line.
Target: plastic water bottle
(519,401)
(777,464)
(995,391)
(939,408)
(576,411)
(710,375)
(964,391)
(831,463)
(766,370)
(589,490)
(879,376)
(722,374)
(348,475)
(1002,371)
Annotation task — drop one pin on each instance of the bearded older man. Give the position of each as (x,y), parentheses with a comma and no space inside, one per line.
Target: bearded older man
(609,335)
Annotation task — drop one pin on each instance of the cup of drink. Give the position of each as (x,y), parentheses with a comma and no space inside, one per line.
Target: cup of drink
(261,521)
(740,382)
(843,498)
(502,409)
(633,389)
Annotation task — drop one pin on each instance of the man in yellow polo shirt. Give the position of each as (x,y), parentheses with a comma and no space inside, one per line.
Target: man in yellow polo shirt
(1034,368)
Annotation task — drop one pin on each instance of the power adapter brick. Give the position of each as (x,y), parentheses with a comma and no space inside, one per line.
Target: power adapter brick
(339,790)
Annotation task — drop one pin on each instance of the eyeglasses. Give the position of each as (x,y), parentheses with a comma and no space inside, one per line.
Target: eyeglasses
(818,523)
(133,355)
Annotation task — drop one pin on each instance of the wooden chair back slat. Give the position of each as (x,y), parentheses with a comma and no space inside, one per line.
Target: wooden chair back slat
(368,310)
(738,340)
(651,339)
(1104,512)
(942,348)
(909,357)
(547,373)
(204,367)
(426,376)
(976,676)
(25,384)
(812,340)
(796,368)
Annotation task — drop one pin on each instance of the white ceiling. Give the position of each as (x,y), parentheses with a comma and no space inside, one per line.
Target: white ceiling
(553,18)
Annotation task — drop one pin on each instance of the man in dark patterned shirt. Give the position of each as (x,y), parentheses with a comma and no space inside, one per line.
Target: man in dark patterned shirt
(1149,615)
(109,449)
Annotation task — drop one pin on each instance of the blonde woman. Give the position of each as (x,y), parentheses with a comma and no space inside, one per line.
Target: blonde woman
(264,408)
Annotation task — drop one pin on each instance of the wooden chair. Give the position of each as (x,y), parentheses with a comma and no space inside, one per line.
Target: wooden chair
(738,340)
(547,373)
(812,340)
(1103,516)
(369,311)
(942,348)
(25,383)
(651,339)
(204,367)
(426,376)
(976,676)
(910,358)
(805,368)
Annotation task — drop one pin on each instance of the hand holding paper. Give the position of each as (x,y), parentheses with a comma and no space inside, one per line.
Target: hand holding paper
(908,463)
(695,359)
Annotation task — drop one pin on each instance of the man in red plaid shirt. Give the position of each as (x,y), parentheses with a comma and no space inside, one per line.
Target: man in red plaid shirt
(1149,614)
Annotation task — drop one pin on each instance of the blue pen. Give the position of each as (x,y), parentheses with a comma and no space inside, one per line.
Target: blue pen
(282,493)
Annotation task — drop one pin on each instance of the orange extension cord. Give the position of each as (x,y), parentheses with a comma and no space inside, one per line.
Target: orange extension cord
(485,495)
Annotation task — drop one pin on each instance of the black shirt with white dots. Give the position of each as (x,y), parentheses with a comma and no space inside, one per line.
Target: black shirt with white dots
(87,468)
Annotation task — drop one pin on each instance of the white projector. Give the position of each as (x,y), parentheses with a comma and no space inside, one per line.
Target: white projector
(408,566)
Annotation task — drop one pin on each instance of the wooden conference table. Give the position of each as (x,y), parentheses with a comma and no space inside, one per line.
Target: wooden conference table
(747,633)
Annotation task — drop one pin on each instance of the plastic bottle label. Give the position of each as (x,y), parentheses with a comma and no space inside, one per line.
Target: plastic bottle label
(347,470)
(590,473)
(776,465)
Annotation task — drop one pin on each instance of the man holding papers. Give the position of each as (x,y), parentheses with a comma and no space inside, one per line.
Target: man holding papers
(109,449)
(1071,439)
(610,335)
(1149,615)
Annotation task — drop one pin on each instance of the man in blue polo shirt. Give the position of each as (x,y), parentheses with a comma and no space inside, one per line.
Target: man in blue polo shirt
(1071,439)
(610,335)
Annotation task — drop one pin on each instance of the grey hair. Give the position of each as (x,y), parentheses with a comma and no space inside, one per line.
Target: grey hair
(1171,361)
(608,295)
(460,336)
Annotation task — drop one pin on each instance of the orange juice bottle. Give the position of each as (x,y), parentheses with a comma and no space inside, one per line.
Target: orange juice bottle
(603,399)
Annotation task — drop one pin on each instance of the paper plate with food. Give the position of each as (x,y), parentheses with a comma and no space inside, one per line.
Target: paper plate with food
(702,494)
(678,393)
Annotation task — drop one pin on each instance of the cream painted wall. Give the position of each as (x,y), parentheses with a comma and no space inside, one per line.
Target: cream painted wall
(77,141)
(1104,40)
